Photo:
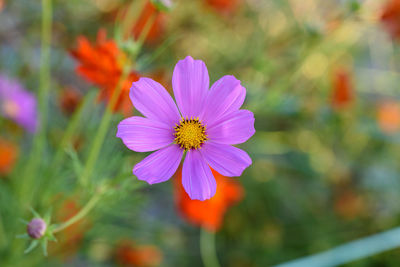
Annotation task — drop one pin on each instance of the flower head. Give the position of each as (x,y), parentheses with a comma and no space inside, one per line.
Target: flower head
(102,64)
(130,254)
(36,228)
(18,104)
(342,94)
(391,18)
(8,156)
(204,125)
(209,213)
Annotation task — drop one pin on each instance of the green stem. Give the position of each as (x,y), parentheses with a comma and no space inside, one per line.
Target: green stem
(65,141)
(134,11)
(207,249)
(105,121)
(44,86)
(72,126)
(3,237)
(102,131)
(351,251)
(82,213)
(146,30)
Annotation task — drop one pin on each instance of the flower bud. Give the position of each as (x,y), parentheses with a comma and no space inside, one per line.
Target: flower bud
(36,228)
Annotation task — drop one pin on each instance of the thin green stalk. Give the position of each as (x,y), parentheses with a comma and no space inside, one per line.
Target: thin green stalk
(65,141)
(134,11)
(102,131)
(361,248)
(3,237)
(207,249)
(44,86)
(154,55)
(146,30)
(106,120)
(71,128)
(81,214)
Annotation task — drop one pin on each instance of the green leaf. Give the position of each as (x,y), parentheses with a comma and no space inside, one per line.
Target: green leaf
(76,163)
(44,247)
(22,236)
(35,213)
(33,244)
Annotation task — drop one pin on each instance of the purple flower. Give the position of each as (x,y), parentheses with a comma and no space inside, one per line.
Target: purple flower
(206,126)
(36,228)
(17,104)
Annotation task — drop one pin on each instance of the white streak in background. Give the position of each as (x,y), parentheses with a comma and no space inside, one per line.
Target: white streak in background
(355,250)
(167,3)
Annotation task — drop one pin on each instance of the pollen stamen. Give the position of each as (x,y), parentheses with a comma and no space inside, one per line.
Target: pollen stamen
(190,133)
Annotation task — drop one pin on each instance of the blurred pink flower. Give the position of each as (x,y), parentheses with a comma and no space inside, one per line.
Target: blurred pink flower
(18,104)
(206,126)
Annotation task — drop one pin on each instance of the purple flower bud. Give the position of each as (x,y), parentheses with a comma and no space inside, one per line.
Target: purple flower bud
(36,228)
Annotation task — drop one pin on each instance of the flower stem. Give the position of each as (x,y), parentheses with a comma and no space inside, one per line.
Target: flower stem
(146,29)
(102,131)
(351,251)
(3,237)
(65,141)
(44,86)
(105,122)
(82,213)
(207,249)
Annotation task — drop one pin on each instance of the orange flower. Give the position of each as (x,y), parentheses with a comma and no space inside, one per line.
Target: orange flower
(102,64)
(71,237)
(208,214)
(69,100)
(342,89)
(389,117)
(391,18)
(8,156)
(223,6)
(129,254)
(150,12)
(349,204)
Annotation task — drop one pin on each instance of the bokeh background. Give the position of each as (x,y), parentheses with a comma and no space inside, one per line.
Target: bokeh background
(322,79)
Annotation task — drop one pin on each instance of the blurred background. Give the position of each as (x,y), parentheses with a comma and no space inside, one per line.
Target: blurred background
(322,79)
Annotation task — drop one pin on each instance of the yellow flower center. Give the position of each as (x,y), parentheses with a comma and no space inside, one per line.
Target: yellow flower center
(190,133)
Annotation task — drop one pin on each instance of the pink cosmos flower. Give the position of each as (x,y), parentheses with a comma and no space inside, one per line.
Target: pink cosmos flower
(18,104)
(206,125)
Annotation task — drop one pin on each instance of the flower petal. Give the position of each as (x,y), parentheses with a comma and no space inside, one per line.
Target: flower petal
(190,82)
(143,135)
(226,95)
(197,178)
(225,159)
(153,101)
(233,128)
(159,166)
